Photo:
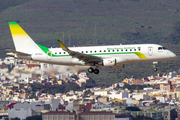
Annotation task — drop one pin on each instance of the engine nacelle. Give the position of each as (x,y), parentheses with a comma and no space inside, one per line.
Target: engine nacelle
(109,62)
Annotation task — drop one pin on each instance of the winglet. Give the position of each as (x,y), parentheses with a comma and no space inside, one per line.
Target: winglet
(62,46)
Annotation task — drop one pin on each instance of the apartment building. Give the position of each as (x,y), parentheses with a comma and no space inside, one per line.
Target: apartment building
(58,115)
(96,115)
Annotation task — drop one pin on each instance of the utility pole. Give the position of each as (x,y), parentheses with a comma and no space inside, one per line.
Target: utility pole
(69,39)
(169,112)
(95,40)
(63,37)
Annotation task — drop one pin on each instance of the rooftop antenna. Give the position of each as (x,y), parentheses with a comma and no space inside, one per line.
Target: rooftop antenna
(69,39)
(95,40)
(63,37)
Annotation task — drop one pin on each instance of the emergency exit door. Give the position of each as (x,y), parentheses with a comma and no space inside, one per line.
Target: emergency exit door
(150,51)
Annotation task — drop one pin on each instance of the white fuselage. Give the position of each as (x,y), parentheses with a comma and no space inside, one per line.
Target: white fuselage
(123,54)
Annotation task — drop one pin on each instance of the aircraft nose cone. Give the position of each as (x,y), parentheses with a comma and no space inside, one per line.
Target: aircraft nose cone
(173,55)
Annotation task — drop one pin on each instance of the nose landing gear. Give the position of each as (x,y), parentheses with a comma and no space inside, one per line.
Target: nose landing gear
(154,66)
(91,70)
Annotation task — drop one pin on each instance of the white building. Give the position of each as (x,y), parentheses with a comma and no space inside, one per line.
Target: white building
(141,96)
(101,92)
(21,113)
(82,77)
(129,101)
(118,94)
(161,99)
(172,74)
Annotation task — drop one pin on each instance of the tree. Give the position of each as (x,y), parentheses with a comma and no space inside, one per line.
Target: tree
(173,114)
(117,87)
(86,93)
(11,93)
(143,118)
(133,109)
(35,117)
(16,118)
(131,91)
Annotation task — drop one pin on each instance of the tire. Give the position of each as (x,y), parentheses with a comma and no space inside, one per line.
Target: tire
(96,71)
(90,70)
(155,69)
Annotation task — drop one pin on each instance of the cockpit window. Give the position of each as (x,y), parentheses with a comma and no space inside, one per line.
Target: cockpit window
(162,48)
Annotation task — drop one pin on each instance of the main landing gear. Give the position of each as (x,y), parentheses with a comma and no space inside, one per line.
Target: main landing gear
(91,70)
(154,66)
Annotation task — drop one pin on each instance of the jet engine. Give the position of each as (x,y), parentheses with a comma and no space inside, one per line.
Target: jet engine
(109,62)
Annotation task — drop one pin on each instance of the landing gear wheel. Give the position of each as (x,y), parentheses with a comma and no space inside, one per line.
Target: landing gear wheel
(90,70)
(96,71)
(154,66)
(155,69)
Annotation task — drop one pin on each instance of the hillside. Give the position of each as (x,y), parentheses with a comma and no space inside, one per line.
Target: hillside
(115,21)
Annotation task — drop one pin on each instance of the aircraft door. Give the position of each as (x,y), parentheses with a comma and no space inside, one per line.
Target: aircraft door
(49,55)
(150,51)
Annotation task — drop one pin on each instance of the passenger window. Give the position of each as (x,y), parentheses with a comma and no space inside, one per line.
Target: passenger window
(108,50)
(82,51)
(134,49)
(122,50)
(100,51)
(55,52)
(90,51)
(126,49)
(113,50)
(64,52)
(95,51)
(86,51)
(59,52)
(139,49)
(117,50)
(104,50)
(130,49)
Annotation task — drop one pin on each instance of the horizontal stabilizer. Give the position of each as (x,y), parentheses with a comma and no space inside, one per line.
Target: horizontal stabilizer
(21,53)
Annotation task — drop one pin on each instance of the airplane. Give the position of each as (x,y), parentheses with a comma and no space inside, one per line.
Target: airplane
(112,56)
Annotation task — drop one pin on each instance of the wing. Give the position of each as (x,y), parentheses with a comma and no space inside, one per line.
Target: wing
(80,56)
